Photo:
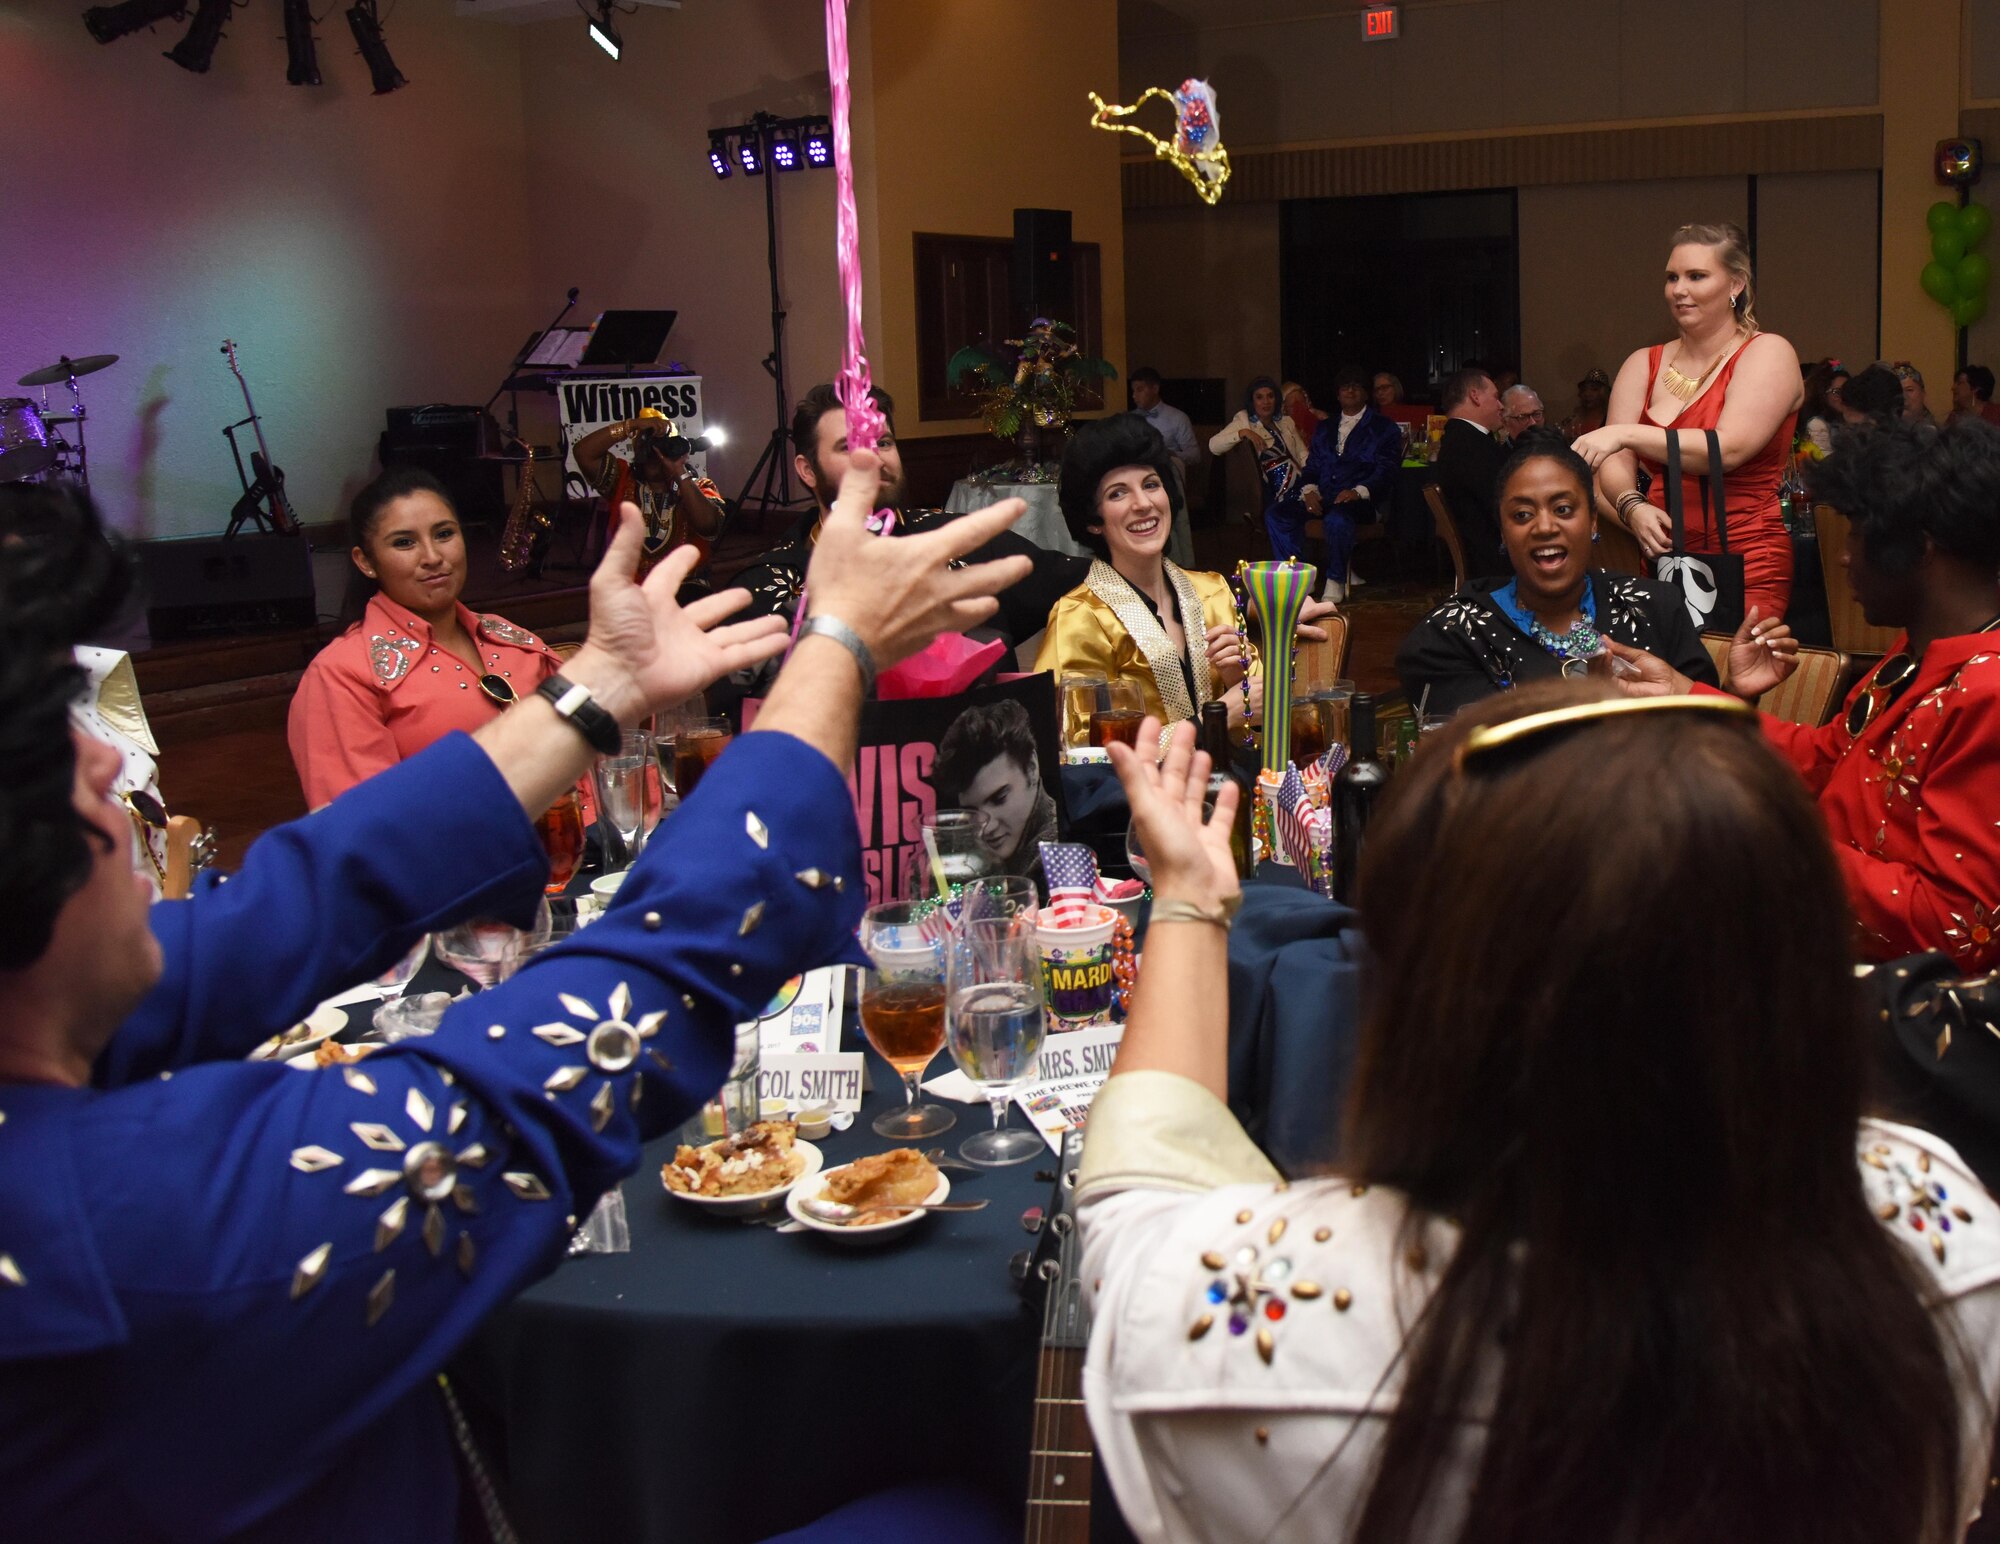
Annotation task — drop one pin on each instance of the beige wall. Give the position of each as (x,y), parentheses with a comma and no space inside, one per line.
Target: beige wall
(978,108)
(628,210)
(362,250)
(1816,262)
(1299,72)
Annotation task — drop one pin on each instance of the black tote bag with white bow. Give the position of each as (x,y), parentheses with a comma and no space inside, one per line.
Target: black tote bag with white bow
(1710,584)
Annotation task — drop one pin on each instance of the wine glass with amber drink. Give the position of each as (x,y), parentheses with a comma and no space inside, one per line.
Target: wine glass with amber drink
(902,1006)
(560,827)
(692,749)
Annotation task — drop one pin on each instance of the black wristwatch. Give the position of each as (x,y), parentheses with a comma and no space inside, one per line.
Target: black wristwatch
(581,711)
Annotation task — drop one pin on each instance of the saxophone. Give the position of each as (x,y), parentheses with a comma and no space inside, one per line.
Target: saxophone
(526,525)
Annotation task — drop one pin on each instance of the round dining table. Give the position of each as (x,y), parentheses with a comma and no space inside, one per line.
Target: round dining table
(723,1381)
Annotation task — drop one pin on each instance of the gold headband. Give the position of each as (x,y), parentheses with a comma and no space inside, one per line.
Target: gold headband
(1494,737)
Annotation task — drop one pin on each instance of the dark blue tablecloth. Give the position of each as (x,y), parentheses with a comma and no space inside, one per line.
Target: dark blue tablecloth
(724,1382)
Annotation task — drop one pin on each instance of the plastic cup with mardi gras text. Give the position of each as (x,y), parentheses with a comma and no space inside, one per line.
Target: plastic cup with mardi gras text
(1077,975)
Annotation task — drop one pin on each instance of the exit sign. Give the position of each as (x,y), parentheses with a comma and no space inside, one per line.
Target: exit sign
(1381,21)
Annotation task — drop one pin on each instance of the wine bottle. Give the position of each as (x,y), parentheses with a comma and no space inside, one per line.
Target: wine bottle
(1223,768)
(1354,794)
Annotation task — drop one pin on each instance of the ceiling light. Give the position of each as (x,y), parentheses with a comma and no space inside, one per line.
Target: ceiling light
(109,23)
(301,52)
(819,144)
(196,50)
(603,33)
(368,38)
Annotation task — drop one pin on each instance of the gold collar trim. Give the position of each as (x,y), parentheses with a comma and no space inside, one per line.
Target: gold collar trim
(1150,634)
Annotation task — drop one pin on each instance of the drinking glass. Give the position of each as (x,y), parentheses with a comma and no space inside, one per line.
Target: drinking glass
(997,895)
(1328,705)
(1118,713)
(624,782)
(994,1025)
(696,744)
(954,852)
(560,827)
(489,950)
(902,1007)
(397,977)
(1079,701)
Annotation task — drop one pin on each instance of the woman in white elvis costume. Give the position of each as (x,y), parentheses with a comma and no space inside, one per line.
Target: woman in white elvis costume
(1608,1250)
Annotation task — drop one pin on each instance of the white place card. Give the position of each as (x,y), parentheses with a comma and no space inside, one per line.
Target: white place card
(1072,1069)
(801,1080)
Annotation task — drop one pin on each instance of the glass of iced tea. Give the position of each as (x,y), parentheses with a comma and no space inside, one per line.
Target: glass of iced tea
(902,1007)
(560,827)
(1079,700)
(696,744)
(1119,711)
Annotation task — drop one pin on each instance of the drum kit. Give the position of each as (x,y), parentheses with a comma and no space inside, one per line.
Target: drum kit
(33,446)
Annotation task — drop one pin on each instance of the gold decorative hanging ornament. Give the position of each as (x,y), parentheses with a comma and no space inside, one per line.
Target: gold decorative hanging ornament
(1196,147)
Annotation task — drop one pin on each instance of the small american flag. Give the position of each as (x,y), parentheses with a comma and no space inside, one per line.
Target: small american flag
(1071,870)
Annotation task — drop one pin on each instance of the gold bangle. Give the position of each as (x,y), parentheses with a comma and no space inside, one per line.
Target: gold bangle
(1224,916)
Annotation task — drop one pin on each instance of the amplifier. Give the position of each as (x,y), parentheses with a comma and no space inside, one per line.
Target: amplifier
(437,422)
(199,587)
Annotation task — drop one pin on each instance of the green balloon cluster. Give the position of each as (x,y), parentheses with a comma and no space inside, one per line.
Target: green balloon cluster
(1957,275)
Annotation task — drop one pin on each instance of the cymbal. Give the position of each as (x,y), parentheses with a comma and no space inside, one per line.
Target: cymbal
(64,368)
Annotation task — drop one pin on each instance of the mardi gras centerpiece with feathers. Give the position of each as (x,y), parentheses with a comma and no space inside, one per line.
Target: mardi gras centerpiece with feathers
(1035,390)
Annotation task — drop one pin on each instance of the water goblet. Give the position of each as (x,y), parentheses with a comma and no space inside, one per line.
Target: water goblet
(995,1025)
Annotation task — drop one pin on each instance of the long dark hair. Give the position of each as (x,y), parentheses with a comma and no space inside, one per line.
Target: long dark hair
(390,484)
(1250,401)
(1634,1085)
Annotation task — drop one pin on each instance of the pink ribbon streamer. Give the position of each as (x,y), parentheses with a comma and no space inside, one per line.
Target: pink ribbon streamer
(864,419)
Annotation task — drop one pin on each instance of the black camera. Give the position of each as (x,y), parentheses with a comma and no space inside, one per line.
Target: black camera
(670,443)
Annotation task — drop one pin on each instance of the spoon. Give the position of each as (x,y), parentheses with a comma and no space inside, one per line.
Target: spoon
(834,1211)
(936,1156)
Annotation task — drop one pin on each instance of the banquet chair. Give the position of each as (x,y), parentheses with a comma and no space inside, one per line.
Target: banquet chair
(1843,612)
(1618,551)
(1808,696)
(1324,661)
(1447,533)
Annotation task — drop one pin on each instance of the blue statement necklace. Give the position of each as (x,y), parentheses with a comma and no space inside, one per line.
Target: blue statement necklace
(1580,642)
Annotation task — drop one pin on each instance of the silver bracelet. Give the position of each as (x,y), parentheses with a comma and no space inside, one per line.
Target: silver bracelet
(848,639)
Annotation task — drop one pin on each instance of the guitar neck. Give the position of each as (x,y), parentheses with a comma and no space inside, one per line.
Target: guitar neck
(1059,1463)
(256,423)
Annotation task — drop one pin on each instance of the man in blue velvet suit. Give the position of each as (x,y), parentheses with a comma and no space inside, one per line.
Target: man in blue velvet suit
(227,1287)
(1351,462)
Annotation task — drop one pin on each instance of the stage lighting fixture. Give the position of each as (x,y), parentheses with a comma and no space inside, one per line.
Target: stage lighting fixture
(300,49)
(718,155)
(750,155)
(785,151)
(819,144)
(196,50)
(603,33)
(368,38)
(109,23)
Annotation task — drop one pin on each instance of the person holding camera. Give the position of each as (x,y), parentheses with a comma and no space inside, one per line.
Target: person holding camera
(678,505)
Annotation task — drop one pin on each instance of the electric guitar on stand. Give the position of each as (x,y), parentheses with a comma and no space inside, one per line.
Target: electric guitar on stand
(263,503)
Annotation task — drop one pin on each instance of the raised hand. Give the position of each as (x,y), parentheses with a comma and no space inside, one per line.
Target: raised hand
(1655,678)
(1189,856)
(1762,655)
(647,651)
(899,593)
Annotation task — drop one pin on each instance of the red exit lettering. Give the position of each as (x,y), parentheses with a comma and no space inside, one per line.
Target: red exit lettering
(1380,23)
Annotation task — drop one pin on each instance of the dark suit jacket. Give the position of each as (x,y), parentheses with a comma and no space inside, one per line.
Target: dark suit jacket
(1374,450)
(1468,464)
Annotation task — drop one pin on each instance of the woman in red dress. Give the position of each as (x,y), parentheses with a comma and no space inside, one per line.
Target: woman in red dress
(1719,372)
